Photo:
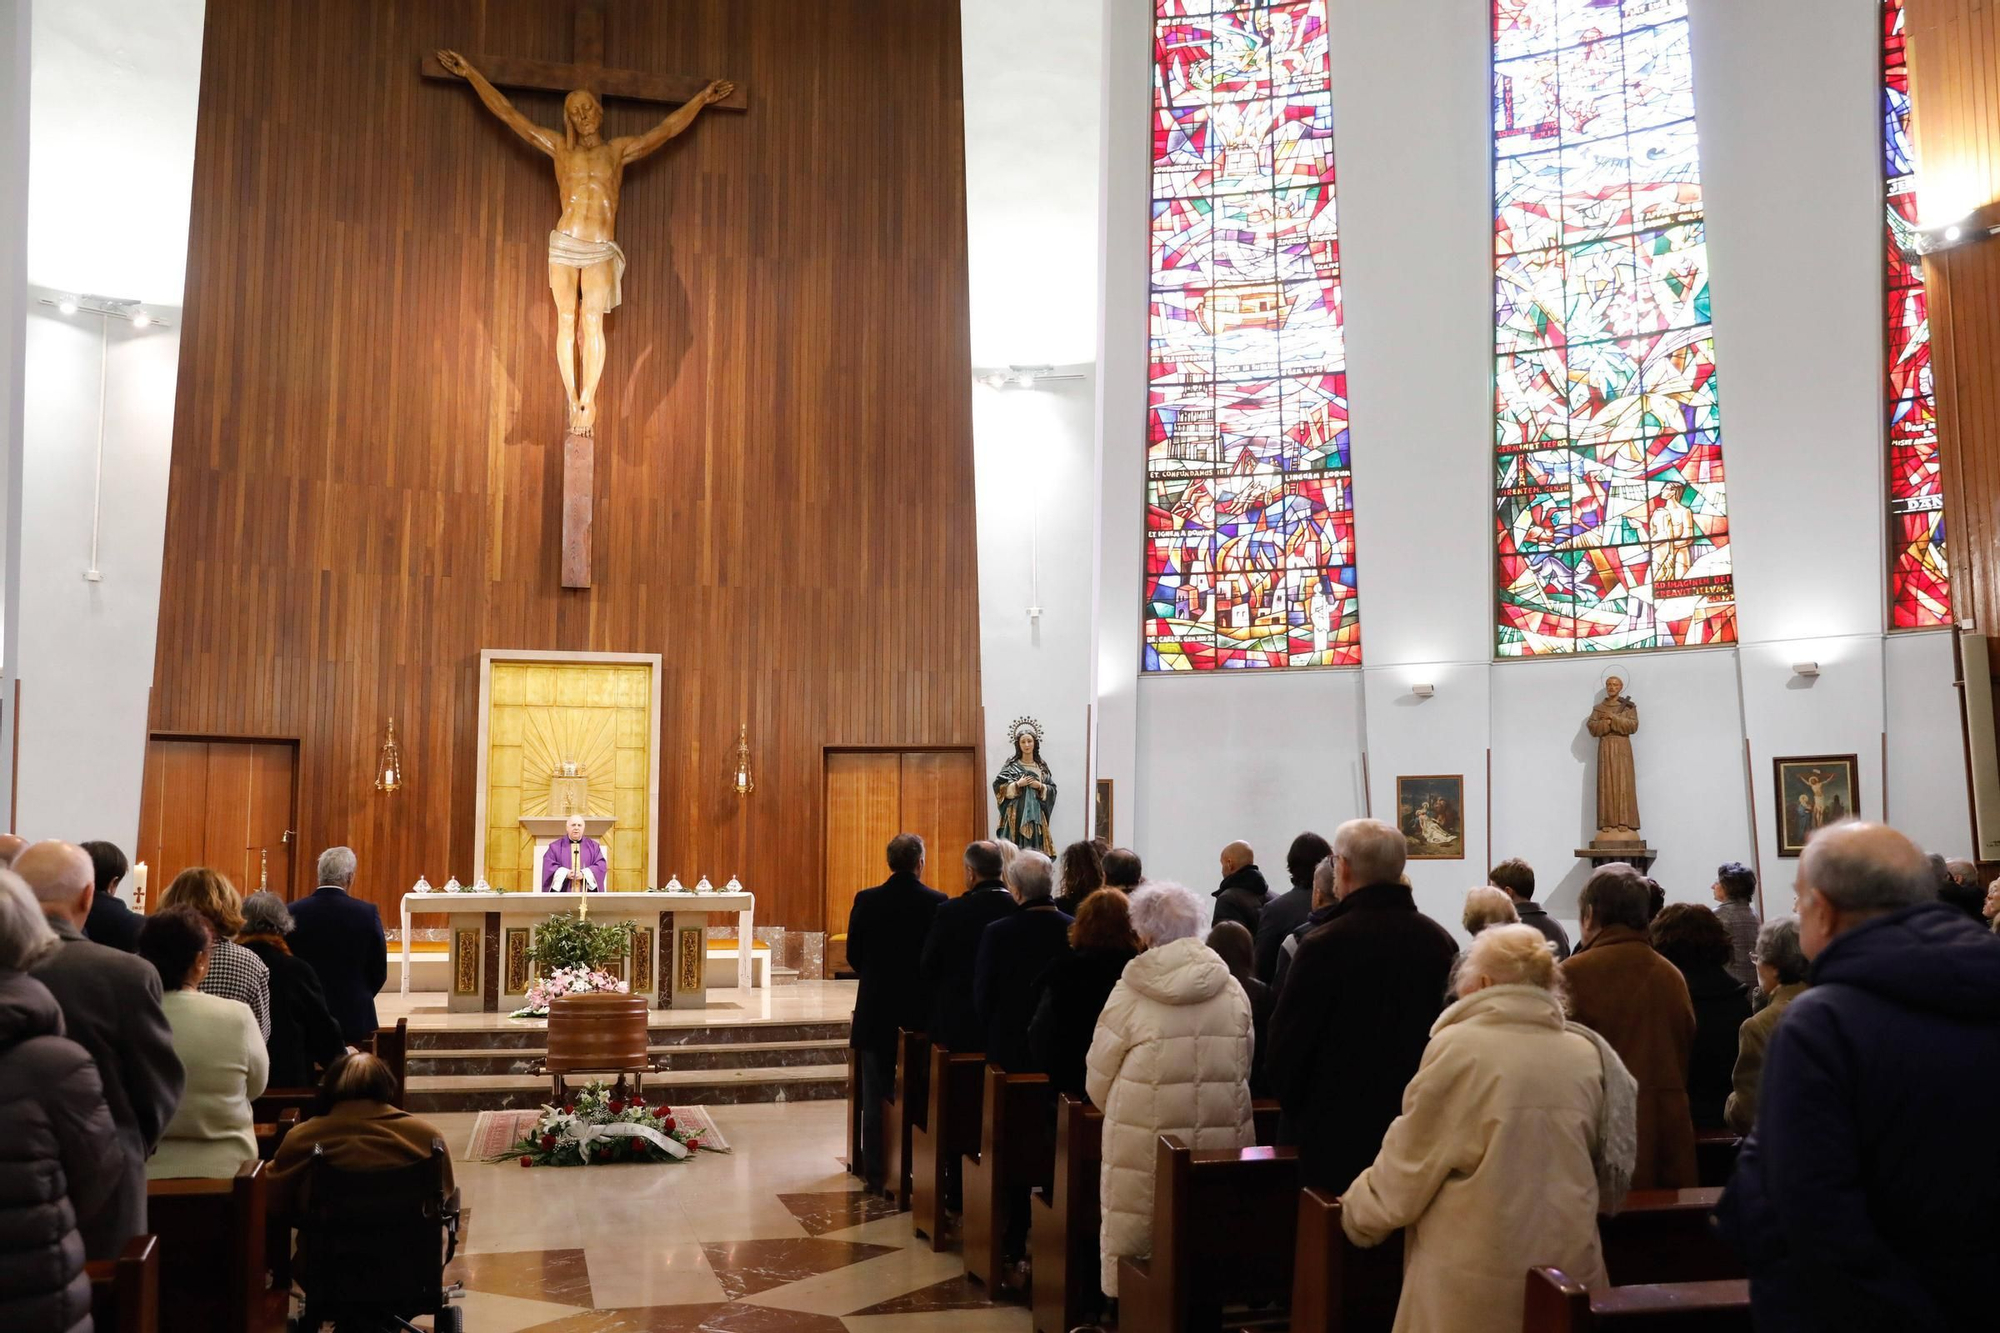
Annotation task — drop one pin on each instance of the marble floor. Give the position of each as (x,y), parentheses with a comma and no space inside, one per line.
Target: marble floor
(769,1238)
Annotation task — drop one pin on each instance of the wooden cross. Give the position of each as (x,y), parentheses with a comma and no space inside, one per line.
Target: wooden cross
(586,70)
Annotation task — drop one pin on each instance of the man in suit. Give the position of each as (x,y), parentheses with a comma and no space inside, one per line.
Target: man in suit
(1356,1009)
(341,937)
(885,936)
(951,950)
(111,1007)
(110,921)
(1013,953)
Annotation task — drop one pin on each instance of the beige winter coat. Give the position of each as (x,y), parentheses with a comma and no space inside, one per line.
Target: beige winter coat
(1489,1165)
(1171,1055)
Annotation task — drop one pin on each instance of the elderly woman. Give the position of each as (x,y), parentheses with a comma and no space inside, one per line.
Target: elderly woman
(217,1041)
(56,1170)
(1782,969)
(1071,993)
(303,1033)
(1485,905)
(234,973)
(1171,1055)
(1696,941)
(1516,1132)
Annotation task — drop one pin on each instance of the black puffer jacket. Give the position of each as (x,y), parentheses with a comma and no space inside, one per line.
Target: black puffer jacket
(56,1162)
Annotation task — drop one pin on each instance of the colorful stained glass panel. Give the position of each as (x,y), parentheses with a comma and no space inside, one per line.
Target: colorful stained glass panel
(1610,524)
(1249,503)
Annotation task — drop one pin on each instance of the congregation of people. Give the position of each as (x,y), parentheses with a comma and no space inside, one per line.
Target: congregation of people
(1491,1101)
(133,1046)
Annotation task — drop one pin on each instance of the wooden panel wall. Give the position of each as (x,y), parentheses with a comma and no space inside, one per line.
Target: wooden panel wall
(873,795)
(1955,90)
(367,437)
(218,803)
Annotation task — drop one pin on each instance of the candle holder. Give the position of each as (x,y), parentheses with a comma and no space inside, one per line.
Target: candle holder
(740,781)
(390,764)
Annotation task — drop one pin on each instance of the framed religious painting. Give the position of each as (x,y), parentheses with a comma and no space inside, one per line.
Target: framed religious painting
(1813,791)
(1101,817)
(1430,810)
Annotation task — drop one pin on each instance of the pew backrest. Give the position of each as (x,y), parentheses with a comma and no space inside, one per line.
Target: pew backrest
(1666,1236)
(1556,1303)
(211,1233)
(1224,1227)
(125,1292)
(1338,1287)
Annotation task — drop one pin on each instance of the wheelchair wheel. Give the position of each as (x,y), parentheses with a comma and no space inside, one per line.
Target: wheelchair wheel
(449,1319)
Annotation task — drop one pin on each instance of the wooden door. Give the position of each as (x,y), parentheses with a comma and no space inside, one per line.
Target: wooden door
(221,803)
(872,795)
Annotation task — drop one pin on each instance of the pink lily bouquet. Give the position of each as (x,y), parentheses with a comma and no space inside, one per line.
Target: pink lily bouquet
(598,1127)
(567,981)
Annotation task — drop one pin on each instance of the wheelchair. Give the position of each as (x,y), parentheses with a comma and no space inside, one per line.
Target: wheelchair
(373,1246)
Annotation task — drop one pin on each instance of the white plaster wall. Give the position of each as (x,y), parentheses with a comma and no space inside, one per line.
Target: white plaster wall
(16,47)
(86,650)
(1926,760)
(1034,463)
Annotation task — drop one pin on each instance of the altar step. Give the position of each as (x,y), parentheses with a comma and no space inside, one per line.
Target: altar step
(725,1055)
(699,1087)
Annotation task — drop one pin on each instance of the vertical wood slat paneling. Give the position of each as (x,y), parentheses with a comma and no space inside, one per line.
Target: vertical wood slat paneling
(1954,50)
(216,803)
(368,429)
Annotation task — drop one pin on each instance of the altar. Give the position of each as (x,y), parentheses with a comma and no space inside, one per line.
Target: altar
(490,934)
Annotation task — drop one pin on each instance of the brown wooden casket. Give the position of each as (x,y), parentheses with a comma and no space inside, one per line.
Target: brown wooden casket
(601,1033)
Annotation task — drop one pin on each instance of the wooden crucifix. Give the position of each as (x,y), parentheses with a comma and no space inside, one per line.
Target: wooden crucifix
(586,264)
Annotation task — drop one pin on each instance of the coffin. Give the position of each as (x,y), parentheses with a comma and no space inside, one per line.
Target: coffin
(597,1033)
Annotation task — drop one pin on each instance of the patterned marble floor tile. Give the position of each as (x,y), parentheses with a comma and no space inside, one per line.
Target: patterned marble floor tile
(639,1271)
(954,1293)
(746,1267)
(858,1286)
(726,1317)
(836,1210)
(506,1314)
(560,1276)
(995,1319)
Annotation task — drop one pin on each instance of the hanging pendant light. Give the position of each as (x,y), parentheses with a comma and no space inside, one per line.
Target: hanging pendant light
(389,767)
(740,781)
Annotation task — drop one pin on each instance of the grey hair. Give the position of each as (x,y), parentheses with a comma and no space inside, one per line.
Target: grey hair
(1008,851)
(1163,912)
(336,866)
(1375,851)
(1778,949)
(1487,906)
(1031,875)
(25,936)
(1842,864)
(1323,880)
(265,913)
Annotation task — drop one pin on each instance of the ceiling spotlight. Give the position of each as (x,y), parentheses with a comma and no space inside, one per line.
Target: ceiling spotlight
(67,306)
(1805,669)
(140,319)
(1424,691)
(1953,232)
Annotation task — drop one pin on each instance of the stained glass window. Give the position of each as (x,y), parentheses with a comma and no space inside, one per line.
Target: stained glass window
(1608,443)
(1249,502)
(1919,580)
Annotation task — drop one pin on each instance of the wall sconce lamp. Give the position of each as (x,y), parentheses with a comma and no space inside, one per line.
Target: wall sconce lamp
(1424,691)
(1806,669)
(740,781)
(390,764)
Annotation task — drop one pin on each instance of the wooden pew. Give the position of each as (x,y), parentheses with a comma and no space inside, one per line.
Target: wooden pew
(212,1247)
(271,1137)
(1224,1225)
(1715,1156)
(907,1108)
(1062,1233)
(269,1108)
(392,1048)
(1264,1115)
(1554,1303)
(1338,1287)
(1666,1236)
(125,1292)
(950,1130)
(1014,1157)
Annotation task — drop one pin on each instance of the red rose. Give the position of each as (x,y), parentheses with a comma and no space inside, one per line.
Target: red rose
(569,1108)
(667,1123)
(527,1161)
(548,1143)
(693,1144)
(664,1112)
(617,1105)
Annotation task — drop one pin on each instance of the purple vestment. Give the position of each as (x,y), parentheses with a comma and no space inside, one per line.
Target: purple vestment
(559,856)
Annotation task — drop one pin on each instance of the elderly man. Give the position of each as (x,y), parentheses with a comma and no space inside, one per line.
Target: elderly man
(111,1007)
(1865,1197)
(1243,892)
(573,863)
(1356,1009)
(342,938)
(1628,994)
(1013,953)
(951,950)
(11,846)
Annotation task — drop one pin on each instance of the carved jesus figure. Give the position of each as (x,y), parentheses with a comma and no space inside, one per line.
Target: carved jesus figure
(585,263)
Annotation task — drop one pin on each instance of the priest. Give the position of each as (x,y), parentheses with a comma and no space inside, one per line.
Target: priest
(573,863)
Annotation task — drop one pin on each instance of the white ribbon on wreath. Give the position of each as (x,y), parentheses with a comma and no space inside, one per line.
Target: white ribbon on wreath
(589,1134)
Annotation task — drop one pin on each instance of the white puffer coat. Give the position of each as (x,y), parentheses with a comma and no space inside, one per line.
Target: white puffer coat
(1171,1056)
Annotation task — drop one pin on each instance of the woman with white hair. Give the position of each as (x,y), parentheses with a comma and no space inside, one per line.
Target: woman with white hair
(56,1128)
(303,1033)
(1518,1129)
(1171,1055)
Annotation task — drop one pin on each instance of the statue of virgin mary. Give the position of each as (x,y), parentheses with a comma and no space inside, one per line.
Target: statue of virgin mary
(1026,790)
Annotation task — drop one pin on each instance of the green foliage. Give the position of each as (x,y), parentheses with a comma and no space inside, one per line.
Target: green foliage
(566,940)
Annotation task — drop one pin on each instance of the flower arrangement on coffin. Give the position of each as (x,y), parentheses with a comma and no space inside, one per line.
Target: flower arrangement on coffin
(569,954)
(598,1127)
